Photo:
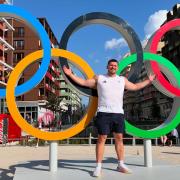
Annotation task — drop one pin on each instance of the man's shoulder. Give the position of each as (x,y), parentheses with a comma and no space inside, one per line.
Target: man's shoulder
(121,77)
(97,76)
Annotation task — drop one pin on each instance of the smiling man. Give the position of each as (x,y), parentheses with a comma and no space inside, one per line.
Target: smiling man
(110,113)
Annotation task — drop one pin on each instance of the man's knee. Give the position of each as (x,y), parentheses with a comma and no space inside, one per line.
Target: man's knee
(102,138)
(118,138)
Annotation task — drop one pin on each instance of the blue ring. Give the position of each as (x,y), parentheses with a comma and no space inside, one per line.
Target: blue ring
(37,77)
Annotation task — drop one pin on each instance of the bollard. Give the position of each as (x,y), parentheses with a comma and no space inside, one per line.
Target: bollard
(147,153)
(53,162)
(111,141)
(90,139)
(156,142)
(133,141)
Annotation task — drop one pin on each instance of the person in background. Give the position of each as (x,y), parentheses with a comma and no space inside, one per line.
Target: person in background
(163,140)
(172,137)
(29,119)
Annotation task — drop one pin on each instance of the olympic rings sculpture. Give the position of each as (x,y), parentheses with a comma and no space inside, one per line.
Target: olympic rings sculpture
(137,57)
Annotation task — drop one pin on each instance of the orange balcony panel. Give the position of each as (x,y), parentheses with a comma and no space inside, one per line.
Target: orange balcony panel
(57,83)
(49,76)
(57,92)
(1,47)
(1,26)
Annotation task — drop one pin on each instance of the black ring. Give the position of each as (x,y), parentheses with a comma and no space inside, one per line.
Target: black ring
(116,23)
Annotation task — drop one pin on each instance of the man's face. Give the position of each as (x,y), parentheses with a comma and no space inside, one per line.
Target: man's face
(112,67)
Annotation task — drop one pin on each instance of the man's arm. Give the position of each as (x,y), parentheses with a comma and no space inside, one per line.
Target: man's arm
(91,83)
(134,87)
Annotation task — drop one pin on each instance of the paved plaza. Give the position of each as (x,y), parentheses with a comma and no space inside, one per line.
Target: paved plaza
(78,162)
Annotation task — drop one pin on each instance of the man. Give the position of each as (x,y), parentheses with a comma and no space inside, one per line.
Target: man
(110,112)
(173,136)
(29,119)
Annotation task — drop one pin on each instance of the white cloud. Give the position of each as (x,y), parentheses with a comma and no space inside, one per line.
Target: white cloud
(115,43)
(144,42)
(154,22)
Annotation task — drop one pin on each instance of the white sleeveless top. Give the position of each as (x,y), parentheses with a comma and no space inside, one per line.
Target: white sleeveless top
(110,93)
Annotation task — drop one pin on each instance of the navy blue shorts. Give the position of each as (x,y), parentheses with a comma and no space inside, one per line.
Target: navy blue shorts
(109,122)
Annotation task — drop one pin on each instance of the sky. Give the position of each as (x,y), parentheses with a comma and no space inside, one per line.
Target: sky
(98,43)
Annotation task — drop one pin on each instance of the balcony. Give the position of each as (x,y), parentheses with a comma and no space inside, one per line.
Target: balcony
(50,76)
(9,2)
(5,64)
(64,86)
(4,42)
(54,70)
(8,25)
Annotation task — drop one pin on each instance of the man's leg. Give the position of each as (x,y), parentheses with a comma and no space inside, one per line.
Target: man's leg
(165,139)
(162,140)
(119,146)
(99,154)
(100,148)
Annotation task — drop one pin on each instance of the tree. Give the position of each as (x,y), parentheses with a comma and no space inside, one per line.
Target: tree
(57,105)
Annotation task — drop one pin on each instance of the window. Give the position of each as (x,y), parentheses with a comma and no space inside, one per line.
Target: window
(28,108)
(1,33)
(41,91)
(34,108)
(19,44)
(17,57)
(19,32)
(21,81)
(21,109)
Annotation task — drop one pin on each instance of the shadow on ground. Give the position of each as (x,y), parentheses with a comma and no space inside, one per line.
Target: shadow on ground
(171,153)
(43,165)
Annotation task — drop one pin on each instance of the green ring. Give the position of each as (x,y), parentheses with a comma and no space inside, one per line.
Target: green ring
(167,126)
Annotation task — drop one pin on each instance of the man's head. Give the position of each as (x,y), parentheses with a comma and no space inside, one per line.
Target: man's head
(112,66)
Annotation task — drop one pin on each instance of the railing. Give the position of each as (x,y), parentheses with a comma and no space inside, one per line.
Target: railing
(92,141)
(87,141)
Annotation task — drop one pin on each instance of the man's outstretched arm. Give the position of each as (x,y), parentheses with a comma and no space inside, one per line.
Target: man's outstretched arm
(83,82)
(137,86)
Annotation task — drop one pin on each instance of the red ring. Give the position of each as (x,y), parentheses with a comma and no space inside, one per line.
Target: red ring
(153,49)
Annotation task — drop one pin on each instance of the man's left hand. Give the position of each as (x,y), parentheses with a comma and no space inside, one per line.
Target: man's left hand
(152,77)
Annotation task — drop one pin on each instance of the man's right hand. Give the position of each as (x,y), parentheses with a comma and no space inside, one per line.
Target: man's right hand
(83,82)
(67,71)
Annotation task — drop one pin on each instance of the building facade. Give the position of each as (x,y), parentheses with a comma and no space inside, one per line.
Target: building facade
(6,46)
(25,41)
(73,101)
(34,103)
(171,49)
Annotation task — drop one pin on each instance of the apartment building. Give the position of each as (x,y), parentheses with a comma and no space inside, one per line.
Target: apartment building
(6,46)
(25,41)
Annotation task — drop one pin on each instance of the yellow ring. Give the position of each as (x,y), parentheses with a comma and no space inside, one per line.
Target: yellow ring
(11,102)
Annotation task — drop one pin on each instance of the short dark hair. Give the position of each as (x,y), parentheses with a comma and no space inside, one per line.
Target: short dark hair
(112,60)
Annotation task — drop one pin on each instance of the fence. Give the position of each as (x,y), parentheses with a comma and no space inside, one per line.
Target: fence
(88,141)
(92,140)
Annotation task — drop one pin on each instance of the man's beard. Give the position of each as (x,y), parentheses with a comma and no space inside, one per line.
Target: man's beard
(112,71)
